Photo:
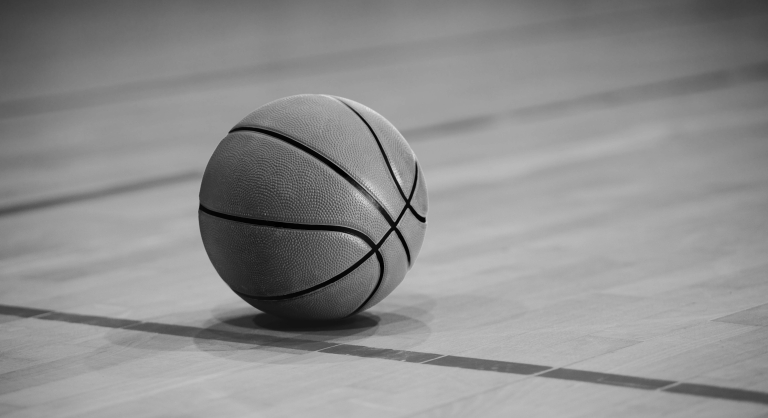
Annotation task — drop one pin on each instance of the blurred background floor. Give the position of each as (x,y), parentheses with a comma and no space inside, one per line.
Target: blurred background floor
(598,176)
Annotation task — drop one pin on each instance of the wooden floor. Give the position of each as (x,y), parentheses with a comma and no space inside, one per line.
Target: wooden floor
(598,225)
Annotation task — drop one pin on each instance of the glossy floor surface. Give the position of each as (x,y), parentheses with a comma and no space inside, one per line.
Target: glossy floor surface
(598,225)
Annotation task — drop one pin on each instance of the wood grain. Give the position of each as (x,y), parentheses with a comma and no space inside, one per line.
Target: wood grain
(598,177)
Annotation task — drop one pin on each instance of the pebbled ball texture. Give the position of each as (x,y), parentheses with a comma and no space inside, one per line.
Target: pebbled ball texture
(313,207)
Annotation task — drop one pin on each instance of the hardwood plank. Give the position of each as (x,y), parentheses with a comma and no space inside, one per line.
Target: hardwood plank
(545,397)
(596,239)
(151,136)
(247,40)
(499,368)
(753,316)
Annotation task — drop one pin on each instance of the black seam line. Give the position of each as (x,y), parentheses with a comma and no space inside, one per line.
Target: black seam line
(378,142)
(334,279)
(303,345)
(381,261)
(335,228)
(402,241)
(290,225)
(287,139)
(405,245)
(417,216)
(319,286)
(374,249)
(380,258)
(386,161)
(408,206)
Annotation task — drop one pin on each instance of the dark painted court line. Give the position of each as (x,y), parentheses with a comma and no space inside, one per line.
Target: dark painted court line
(607,379)
(311,346)
(102,192)
(488,365)
(21,312)
(380,353)
(99,321)
(663,89)
(719,392)
(691,84)
(597,24)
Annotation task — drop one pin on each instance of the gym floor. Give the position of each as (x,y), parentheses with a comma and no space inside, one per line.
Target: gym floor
(598,227)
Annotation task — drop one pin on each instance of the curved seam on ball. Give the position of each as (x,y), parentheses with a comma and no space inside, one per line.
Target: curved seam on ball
(381,147)
(378,283)
(420,218)
(290,225)
(333,228)
(375,249)
(399,218)
(288,140)
(320,286)
(402,241)
(417,216)
(408,205)
(405,245)
(408,199)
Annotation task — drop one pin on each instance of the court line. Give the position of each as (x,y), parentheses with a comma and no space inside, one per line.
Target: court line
(311,346)
(673,87)
(102,192)
(594,24)
(691,84)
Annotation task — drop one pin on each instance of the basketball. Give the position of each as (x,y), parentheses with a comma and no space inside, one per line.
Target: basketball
(313,207)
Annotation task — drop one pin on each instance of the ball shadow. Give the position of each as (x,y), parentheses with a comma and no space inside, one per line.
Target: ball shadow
(246,334)
(237,331)
(345,326)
